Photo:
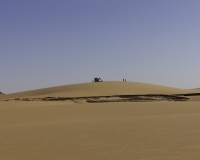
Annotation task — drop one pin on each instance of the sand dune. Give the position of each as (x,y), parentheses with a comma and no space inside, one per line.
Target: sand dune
(99,89)
(87,131)
(153,130)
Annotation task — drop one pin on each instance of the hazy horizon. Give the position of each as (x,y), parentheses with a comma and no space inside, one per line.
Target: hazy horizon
(53,43)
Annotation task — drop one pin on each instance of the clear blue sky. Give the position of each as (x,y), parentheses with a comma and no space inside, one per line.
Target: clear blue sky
(46,43)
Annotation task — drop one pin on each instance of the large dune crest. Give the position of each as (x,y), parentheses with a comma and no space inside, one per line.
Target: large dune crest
(99,89)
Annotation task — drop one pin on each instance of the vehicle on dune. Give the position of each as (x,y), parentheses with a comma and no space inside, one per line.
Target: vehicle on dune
(98,80)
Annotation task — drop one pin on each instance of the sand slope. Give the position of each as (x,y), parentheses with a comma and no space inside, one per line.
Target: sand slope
(157,130)
(62,130)
(99,89)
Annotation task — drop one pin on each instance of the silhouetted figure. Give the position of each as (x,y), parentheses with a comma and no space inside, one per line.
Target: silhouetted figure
(123,80)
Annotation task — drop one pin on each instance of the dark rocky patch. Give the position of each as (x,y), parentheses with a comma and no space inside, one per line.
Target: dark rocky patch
(115,98)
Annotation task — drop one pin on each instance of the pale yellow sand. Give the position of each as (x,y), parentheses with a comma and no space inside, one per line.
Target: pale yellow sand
(99,89)
(66,130)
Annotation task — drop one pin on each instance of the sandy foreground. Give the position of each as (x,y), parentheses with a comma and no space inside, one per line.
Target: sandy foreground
(61,130)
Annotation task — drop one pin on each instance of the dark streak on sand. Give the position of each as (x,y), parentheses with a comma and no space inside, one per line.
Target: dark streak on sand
(115,98)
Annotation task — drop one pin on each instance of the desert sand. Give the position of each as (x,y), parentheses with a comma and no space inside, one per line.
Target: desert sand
(103,121)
